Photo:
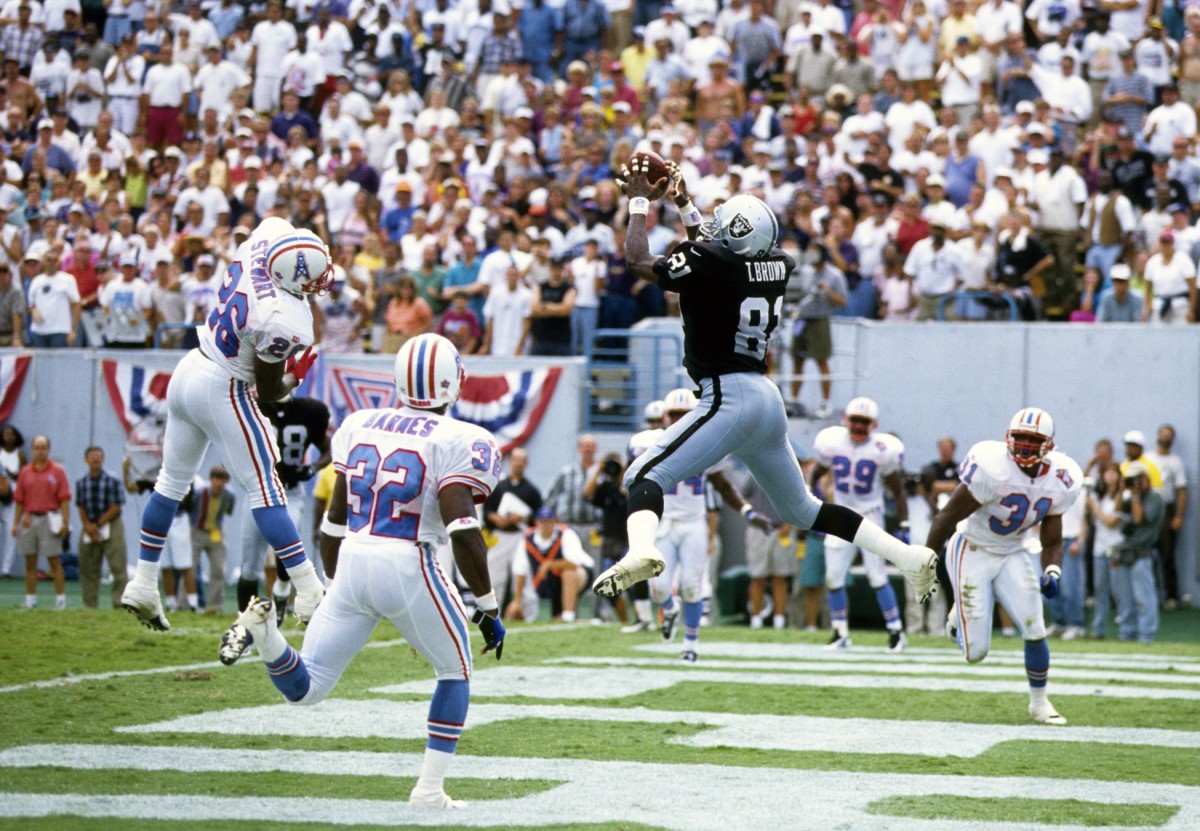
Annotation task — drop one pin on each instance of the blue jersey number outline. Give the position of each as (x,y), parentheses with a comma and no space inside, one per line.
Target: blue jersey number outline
(485,456)
(864,475)
(231,312)
(366,505)
(1018,506)
(696,483)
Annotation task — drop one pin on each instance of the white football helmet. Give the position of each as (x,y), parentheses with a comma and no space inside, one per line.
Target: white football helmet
(429,373)
(299,263)
(858,409)
(1030,436)
(653,413)
(744,225)
(681,400)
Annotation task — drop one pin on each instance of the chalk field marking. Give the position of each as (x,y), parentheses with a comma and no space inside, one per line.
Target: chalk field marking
(374,718)
(683,797)
(558,682)
(959,667)
(809,652)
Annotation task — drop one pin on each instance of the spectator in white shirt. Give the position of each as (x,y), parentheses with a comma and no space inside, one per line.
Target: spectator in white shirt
(1170,275)
(209,197)
(216,81)
(123,77)
(53,304)
(165,89)
(1169,121)
(936,267)
(507,312)
(270,40)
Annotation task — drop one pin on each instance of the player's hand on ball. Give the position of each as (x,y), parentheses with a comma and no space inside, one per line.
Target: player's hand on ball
(492,630)
(638,183)
(678,185)
(1050,581)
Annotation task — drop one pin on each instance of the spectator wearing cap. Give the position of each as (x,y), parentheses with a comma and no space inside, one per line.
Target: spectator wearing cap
(720,97)
(1120,304)
(1100,51)
(55,157)
(668,26)
(12,308)
(1128,94)
(1135,451)
(1058,194)
(54,303)
(1170,121)
(757,44)
(216,81)
(1155,54)
(1133,170)
(127,305)
(1108,223)
(1170,284)
(552,567)
(164,91)
(584,25)
(1142,511)
(935,266)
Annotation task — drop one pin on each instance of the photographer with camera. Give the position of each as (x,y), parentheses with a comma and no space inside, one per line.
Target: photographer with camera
(1142,512)
(604,490)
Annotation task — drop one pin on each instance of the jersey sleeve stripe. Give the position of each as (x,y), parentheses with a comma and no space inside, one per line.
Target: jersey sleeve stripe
(469,481)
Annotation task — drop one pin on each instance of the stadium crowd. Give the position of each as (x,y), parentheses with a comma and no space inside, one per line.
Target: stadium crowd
(459,157)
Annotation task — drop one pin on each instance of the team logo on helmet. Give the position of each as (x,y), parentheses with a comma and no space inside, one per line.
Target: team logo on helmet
(301,267)
(740,227)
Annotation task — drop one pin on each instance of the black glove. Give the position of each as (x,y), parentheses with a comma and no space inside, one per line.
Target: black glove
(493,631)
(305,473)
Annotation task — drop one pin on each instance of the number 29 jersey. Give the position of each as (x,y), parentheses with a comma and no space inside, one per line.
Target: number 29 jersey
(730,305)
(1011,501)
(396,462)
(858,468)
(253,317)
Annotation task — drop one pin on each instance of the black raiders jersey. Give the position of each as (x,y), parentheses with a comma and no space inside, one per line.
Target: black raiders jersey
(299,423)
(730,305)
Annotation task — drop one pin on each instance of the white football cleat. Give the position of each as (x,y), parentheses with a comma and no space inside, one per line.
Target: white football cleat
(143,601)
(919,566)
(839,642)
(1045,714)
(633,568)
(254,625)
(433,799)
(637,626)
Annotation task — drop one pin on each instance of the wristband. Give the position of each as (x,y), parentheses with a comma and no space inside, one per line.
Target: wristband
(1054,571)
(639,206)
(746,508)
(466,523)
(487,603)
(331,529)
(689,214)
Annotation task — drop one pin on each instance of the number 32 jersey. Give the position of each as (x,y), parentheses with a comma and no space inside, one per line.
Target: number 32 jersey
(730,305)
(397,461)
(253,317)
(858,468)
(1011,502)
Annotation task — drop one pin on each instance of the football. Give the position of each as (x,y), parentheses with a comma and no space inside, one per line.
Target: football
(658,167)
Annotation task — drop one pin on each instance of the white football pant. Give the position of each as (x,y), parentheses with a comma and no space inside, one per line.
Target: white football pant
(684,546)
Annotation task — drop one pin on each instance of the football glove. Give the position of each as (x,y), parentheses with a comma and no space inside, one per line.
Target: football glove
(903,534)
(302,363)
(492,630)
(1050,581)
(758,520)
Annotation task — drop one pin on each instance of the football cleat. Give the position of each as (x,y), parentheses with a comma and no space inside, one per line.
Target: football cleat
(253,625)
(637,626)
(896,642)
(632,568)
(952,623)
(143,601)
(838,642)
(919,567)
(433,799)
(1045,714)
(689,656)
(281,612)
(669,619)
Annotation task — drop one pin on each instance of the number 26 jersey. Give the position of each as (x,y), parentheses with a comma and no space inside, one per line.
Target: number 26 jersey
(730,305)
(396,462)
(1011,501)
(253,317)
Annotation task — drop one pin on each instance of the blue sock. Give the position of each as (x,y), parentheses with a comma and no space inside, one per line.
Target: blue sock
(156,522)
(838,602)
(289,675)
(885,596)
(280,533)
(1037,662)
(692,612)
(447,715)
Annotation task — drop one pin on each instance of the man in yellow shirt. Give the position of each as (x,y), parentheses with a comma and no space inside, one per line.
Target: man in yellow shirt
(1135,443)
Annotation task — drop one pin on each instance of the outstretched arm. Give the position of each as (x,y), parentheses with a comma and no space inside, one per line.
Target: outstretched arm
(641,193)
(683,201)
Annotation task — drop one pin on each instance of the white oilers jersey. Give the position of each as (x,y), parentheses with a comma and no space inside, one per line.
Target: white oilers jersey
(639,443)
(253,317)
(397,461)
(1012,503)
(858,468)
(689,500)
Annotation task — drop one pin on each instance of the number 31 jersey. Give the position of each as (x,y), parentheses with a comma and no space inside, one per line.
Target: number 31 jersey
(730,305)
(1011,501)
(396,462)
(858,468)
(253,317)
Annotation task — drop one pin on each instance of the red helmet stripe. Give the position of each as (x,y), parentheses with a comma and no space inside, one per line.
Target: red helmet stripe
(431,390)
(412,376)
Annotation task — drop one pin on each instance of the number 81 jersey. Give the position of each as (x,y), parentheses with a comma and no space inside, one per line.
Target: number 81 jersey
(396,462)
(1011,501)
(858,468)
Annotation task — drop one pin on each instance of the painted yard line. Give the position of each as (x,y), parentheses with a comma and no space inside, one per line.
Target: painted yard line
(831,664)
(343,718)
(128,673)
(559,682)
(810,652)
(683,797)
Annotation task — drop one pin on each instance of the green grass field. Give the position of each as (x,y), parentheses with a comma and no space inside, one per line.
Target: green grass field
(768,731)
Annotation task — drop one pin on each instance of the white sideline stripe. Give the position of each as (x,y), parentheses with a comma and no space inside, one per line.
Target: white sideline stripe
(376,718)
(565,682)
(683,797)
(249,659)
(830,664)
(805,652)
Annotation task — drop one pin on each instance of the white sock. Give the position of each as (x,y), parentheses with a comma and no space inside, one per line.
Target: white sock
(433,770)
(30,601)
(147,572)
(842,628)
(172,603)
(642,526)
(194,601)
(60,598)
(283,588)
(1037,695)
(641,608)
(873,538)
(756,621)
(778,621)
(274,647)
(568,617)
